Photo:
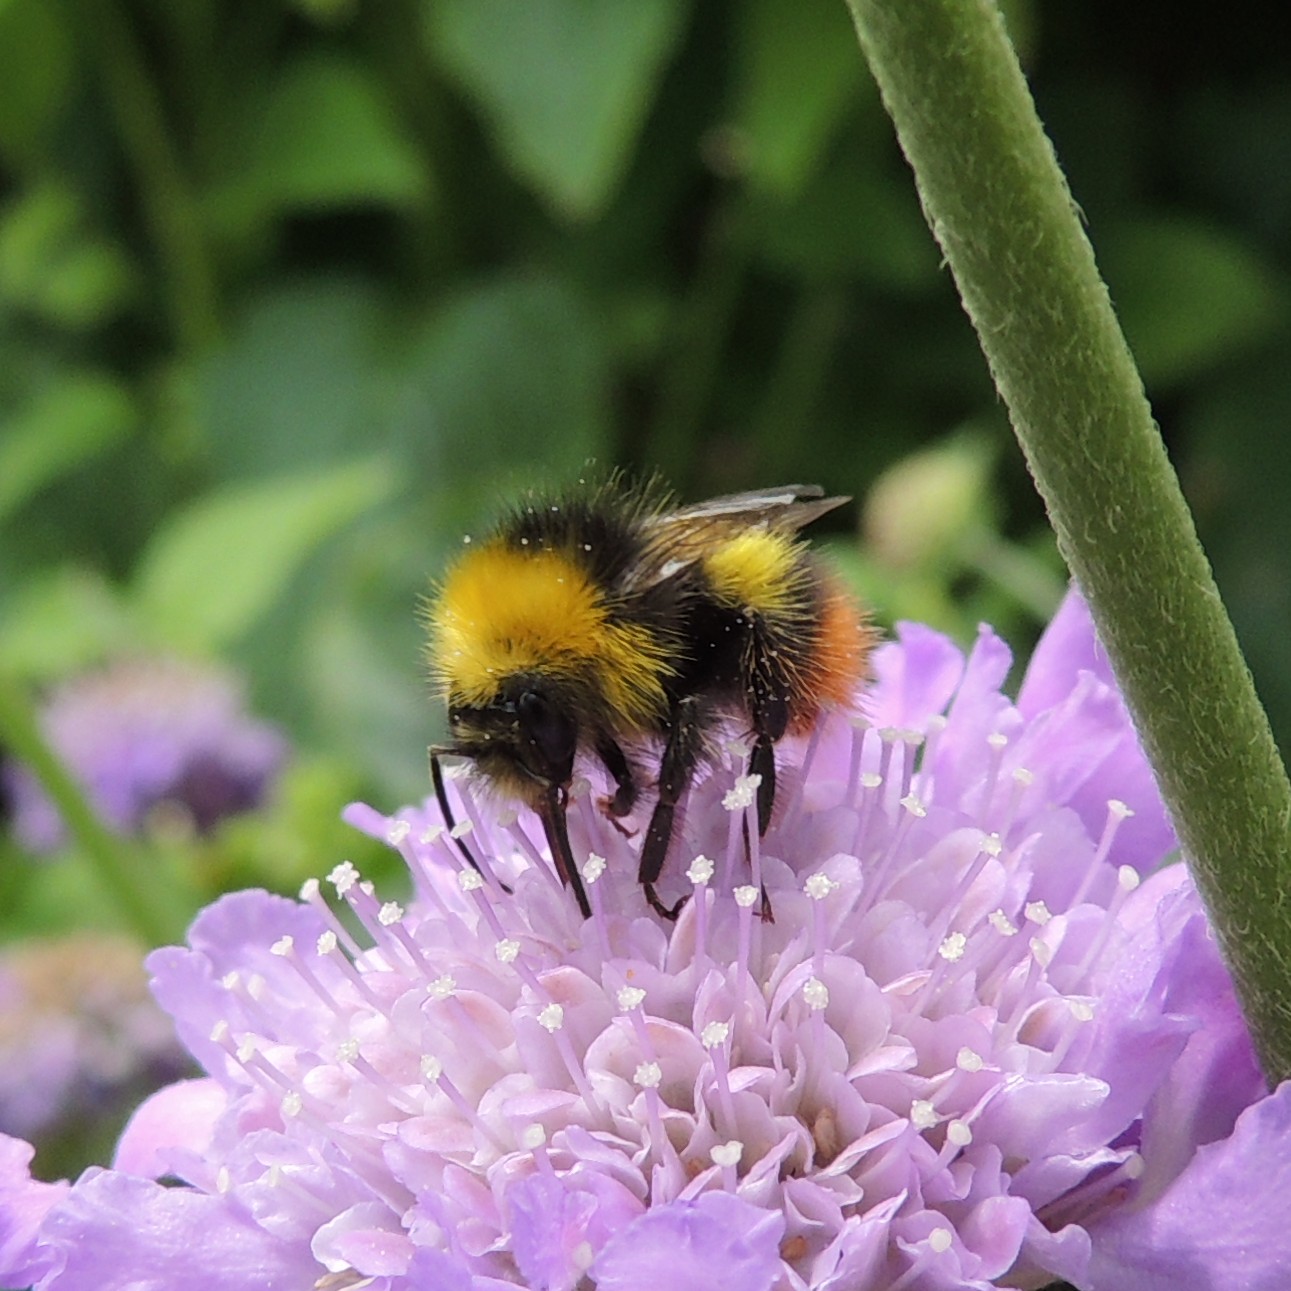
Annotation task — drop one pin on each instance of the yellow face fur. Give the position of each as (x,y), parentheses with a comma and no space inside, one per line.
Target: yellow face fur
(500,612)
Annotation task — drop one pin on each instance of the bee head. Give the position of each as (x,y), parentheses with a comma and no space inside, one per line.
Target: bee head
(524,739)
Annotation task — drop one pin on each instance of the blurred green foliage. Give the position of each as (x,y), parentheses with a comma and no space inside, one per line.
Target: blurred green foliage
(293,292)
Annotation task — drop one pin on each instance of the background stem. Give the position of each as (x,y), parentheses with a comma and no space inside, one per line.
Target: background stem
(144,894)
(164,192)
(1006,222)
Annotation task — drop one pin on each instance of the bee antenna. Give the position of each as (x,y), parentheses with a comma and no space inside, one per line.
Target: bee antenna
(441,796)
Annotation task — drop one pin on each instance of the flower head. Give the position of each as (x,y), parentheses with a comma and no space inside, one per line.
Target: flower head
(934,1030)
(148,734)
(80,1037)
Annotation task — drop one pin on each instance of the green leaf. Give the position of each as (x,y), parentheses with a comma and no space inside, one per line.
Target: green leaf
(57,268)
(216,567)
(853,220)
(294,385)
(323,138)
(328,13)
(63,621)
(797,73)
(1189,296)
(564,84)
(1232,137)
(65,425)
(509,378)
(37,64)
(369,692)
(1237,476)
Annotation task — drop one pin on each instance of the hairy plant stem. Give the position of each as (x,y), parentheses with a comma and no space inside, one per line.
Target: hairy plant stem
(999,207)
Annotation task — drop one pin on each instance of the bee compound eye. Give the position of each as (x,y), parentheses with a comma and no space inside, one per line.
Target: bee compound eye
(549,737)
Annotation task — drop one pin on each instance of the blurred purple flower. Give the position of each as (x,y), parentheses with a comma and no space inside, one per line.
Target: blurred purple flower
(80,1036)
(149,735)
(972,1049)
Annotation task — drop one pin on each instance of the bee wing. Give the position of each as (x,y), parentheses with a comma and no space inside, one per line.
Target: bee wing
(791,506)
(682,536)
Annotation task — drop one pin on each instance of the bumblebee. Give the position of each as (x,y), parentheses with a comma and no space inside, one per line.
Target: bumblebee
(605,623)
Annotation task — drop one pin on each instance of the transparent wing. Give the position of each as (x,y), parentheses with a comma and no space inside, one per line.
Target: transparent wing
(682,536)
(790,506)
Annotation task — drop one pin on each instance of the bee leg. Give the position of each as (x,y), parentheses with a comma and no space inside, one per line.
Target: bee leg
(625,794)
(770,713)
(680,755)
(762,763)
(770,717)
(551,811)
(765,912)
(655,850)
(441,796)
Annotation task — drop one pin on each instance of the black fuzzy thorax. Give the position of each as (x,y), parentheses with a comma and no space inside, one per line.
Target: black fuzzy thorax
(603,528)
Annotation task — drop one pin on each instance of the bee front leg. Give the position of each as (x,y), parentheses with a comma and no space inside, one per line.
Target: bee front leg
(551,808)
(616,763)
(441,795)
(680,756)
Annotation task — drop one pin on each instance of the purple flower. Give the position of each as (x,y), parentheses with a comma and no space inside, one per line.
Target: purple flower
(145,736)
(24,1204)
(984,1041)
(79,1034)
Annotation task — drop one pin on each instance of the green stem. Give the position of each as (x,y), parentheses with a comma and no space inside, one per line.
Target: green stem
(169,204)
(998,205)
(148,902)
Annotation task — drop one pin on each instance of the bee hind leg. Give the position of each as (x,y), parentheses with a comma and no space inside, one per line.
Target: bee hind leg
(770,713)
(680,756)
(762,764)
